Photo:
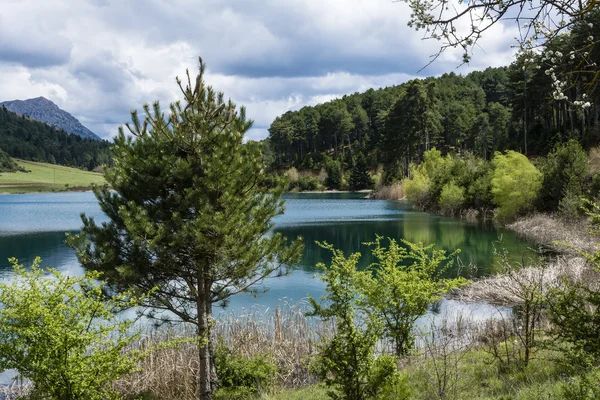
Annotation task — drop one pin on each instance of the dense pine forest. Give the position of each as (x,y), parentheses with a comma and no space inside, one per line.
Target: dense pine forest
(26,139)
(542,99)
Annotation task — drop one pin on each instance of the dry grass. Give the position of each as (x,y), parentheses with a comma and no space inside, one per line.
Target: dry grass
(285,335)
(555,232)
(17,390)
(167,373)
(594,160)
(392,192)
(502,289)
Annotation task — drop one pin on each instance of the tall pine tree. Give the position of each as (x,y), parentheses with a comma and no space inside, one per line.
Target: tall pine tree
(360,178)
(187,214)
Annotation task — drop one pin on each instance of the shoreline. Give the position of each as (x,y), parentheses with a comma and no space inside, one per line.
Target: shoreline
(329,191)
(80,190)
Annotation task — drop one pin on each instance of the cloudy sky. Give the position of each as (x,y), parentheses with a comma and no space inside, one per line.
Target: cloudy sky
(98,59)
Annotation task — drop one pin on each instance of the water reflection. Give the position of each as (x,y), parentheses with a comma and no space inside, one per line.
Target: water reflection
(477,242)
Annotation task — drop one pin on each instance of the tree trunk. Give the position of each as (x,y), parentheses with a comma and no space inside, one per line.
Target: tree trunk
(204,353)
(214,380)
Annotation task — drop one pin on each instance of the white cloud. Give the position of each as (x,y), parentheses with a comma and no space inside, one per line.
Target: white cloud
(98,59)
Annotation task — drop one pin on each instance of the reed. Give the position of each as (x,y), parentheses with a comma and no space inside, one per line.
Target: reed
(504,289)
(285,335)
(390,192)
(555,232)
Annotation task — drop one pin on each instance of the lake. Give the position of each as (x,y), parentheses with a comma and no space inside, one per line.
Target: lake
(35,224)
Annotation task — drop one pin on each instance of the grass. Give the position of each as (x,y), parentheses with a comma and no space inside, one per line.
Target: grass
(47,178)
(316,392)
(477,378)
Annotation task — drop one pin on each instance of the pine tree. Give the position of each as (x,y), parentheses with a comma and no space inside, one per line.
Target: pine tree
(187,214)
(359,175)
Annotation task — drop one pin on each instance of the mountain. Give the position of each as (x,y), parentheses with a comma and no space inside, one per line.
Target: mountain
(42,109)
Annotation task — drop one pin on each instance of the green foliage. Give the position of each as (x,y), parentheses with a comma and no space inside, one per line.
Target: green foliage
(36,141)
(416,188)
(187,213)
(7,164)
(515,184)
(63,334)
(401,285)
(334,174)
(583,386)
(565,171)
(308,183)
(360,178)
(451,198)
(242,377)
(498,109)
(574,311)
(347,363)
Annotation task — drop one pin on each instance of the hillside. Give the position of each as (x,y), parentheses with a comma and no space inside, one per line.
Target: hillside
(45,177)
(31,140)
(7,164)
(509,108)
(44,110)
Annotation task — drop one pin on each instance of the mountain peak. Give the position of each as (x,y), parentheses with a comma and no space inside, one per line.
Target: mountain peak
(44,110)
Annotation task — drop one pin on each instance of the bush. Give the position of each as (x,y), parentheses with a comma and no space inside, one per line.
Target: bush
(451,198)
(515,184)
(63,334)
(416,188)
(307,183)
(242,377)
(347,362)
(400,286)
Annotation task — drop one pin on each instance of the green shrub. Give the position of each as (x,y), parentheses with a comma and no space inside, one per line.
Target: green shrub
(515,184)
(416,188)
(452,198)
(401,285)
(347,363)
(63,334)
(438,171)
(242,377)
(308,183)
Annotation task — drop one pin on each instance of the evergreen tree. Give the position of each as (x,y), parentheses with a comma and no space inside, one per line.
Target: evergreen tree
(188,214)
(359,175)
(334,174)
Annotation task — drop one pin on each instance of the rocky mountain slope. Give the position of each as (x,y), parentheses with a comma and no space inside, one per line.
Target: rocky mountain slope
(44,110)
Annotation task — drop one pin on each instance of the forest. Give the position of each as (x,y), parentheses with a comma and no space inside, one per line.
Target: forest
(36,141)
(542,99)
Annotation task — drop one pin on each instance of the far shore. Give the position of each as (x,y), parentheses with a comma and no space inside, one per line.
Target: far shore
(17,187)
